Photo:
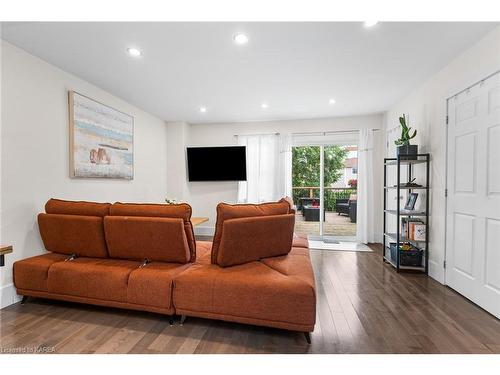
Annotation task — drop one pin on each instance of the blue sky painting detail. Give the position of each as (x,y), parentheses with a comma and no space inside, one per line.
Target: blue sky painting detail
(102,140)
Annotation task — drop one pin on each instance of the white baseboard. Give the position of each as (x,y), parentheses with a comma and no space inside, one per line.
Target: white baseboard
(204,231)
(8,295)
(436,271)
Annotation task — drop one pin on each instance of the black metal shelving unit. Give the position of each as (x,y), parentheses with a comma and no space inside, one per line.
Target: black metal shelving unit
(399,162)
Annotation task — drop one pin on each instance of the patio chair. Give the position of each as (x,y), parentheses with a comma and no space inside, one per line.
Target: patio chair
(342,206)
(353,210)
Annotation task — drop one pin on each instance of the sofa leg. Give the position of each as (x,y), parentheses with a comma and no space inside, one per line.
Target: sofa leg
(183,319)
(24,300)
(171,320)
(308,337)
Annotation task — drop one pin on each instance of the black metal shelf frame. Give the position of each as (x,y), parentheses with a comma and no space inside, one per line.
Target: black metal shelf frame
(399,161)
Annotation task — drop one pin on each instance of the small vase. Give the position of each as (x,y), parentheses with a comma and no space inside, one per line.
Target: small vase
(408,152)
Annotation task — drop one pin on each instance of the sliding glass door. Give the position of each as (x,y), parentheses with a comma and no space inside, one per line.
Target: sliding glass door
(306,189)
(324,179)
(340,177)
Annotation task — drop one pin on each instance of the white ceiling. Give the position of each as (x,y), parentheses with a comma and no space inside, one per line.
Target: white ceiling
(294,67)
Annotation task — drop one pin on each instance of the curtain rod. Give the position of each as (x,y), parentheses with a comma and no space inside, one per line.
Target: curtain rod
(331,132)
(237,135)
(306,133)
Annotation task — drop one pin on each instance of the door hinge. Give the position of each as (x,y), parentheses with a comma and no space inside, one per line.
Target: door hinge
(445,192)
(447,119)
(444,264)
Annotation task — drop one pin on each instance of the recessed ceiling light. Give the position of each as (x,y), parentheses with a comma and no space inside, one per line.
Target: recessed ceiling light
(370,23)
(240,38)
(332,101)
(134,52)
(264,105)
(203,109)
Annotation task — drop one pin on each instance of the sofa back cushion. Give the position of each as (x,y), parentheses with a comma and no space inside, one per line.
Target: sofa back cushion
(73,234)
(252,238)
(62,207)
(234,211)
(154,238)
(174,211)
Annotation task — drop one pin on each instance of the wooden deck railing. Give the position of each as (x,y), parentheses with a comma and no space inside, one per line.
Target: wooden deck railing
(311,189)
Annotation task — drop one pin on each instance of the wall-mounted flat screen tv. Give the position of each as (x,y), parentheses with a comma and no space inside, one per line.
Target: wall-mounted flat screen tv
(217,163)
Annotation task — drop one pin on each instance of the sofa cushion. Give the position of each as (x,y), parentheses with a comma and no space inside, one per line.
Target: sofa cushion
(252,238)
(32,273)
(297,264)
(104,279)
(182,211)
(155,238)
(151,285)
(234,211)
(280,294)
(203,251)
(300,241)
(73,234)
(59,206)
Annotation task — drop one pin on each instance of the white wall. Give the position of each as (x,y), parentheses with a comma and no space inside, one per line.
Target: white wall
(177,137)
(34,153)
(204,196)
(426,106)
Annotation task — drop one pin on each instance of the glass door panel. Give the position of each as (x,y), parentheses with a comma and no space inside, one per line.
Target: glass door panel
(306,176)
(340,177)
(324,181)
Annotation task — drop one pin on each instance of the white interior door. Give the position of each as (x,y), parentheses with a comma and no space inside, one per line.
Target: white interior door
(473,207)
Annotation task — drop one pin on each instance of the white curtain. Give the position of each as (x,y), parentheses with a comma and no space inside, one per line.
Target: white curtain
(365,204)
(285,166)
(262,184)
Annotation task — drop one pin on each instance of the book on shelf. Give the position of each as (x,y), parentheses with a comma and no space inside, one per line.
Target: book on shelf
(408,227)
(419,232)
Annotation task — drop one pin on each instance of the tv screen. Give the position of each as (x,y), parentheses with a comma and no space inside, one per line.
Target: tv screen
(217,163)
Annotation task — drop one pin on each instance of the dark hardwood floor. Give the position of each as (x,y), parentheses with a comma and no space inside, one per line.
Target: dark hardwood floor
(363,307)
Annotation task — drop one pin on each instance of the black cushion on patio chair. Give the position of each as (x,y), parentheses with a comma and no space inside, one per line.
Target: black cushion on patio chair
(342,206)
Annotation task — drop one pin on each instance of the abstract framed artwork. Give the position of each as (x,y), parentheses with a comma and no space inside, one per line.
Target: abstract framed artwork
(101,140)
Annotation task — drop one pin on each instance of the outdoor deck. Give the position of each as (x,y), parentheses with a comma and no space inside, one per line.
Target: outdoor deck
(335,225)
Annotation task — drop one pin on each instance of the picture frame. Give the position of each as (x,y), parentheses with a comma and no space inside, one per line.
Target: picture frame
(410,201)
(101,140)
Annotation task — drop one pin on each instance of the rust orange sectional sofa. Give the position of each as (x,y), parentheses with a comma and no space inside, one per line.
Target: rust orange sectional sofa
(145,257)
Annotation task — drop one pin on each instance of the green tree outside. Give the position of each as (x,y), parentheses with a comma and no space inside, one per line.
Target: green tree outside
(306,172)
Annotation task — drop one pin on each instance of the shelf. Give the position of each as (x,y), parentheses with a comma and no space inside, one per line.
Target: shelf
(392,263)
(406,187)
(402,239)
(421,211)
(405,162)
(406,213)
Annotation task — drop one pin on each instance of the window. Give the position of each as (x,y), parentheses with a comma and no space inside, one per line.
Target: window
(354,170)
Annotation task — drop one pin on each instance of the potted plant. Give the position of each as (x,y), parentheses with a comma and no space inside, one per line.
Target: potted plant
(405,150)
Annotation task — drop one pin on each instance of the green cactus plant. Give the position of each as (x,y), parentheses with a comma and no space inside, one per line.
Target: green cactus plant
(405,133)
